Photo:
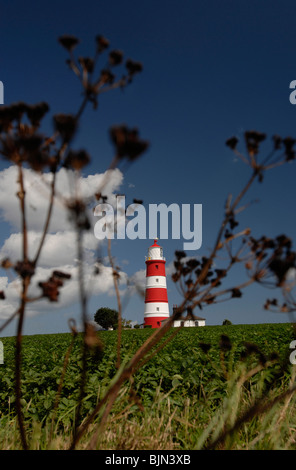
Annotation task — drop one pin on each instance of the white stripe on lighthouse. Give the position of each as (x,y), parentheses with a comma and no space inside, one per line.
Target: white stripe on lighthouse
(151,309)
(155,281)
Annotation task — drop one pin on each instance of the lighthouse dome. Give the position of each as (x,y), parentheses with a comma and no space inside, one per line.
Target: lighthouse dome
(155,252)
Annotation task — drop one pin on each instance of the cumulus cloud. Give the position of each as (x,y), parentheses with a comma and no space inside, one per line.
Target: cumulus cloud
(97,284)
(59,250)
(37,192)
(11,289)
(137,282)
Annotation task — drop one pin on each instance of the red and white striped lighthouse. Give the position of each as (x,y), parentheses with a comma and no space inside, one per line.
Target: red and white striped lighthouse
(156,297)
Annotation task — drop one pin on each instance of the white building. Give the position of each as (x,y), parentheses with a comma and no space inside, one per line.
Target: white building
(191,320)
(188,321)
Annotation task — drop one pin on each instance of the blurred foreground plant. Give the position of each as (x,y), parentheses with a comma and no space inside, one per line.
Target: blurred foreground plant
(23,144)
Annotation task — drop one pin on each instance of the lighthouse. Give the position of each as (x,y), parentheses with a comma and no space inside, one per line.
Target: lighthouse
(156,297)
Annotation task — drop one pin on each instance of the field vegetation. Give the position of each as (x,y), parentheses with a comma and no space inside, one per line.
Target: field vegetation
(211,387)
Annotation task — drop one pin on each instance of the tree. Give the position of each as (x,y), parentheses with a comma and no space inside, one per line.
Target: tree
(226,322)
(106,317)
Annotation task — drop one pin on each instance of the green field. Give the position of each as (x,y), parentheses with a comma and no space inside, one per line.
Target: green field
(196,386)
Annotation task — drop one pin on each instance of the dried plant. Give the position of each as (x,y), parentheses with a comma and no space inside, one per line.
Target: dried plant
(267,261)
(24,145)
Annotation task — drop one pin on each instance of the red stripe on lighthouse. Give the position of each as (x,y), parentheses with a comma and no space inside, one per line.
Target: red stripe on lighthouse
(155,322)
(155,268)
(156,294)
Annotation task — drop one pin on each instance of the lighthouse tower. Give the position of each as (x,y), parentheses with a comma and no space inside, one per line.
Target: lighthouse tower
(156,298)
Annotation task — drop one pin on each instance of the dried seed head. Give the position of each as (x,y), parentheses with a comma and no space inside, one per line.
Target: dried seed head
(236,293)
(221,273)
(281,266)
(11,113)
(66,125)
(115,57)
(25,268)
(253,139)
(180,254)
(36,112)
(289,150)
(102,43)
(77,160)
(176,277)
(29,143)
(127,142)
(69,42)
(192,263)
(87,64)
(107,77)
(50,288)
(38,160)
(133,67)
(232,142)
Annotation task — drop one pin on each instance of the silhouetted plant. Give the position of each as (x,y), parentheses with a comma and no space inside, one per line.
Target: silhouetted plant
(267,261)
(22,143)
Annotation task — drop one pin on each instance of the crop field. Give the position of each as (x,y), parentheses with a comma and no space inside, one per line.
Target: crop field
(193,388)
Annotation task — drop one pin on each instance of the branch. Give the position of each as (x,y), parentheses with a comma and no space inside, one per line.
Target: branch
(115,281)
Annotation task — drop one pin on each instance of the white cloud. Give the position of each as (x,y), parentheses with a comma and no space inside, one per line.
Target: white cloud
(12,291)
(37,193)
(95,284)
(59,250)
(138,279)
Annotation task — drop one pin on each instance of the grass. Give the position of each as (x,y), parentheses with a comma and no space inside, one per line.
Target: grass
(166,426)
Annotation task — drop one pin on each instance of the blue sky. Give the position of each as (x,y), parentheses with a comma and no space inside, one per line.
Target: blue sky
(210,70)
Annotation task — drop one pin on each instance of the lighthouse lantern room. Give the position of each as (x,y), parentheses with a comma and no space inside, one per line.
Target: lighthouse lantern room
(156,298)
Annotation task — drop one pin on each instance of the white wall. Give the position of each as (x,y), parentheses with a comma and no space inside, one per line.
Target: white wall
(189,323)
